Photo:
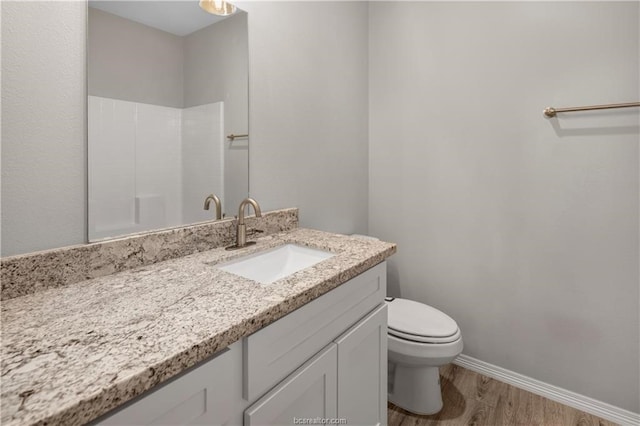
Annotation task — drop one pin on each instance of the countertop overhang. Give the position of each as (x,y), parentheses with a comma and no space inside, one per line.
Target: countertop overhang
(72,354)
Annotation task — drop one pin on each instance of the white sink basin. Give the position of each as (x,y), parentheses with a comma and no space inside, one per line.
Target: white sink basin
(271,265)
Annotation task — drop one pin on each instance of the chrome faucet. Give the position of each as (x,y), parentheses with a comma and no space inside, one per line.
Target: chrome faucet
(216,200)
(241,236)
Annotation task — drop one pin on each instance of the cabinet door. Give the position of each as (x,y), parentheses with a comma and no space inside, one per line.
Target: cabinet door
(362,370)
(309,392)
(199,397)
(271,354)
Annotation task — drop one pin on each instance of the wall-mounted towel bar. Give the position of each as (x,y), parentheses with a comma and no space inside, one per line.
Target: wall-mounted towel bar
(551,111)
(233,137)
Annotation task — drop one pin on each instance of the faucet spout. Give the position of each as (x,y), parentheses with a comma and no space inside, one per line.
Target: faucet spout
(243,204)
(241,235)
(216,200)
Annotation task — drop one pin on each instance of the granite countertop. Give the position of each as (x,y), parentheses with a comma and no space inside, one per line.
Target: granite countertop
(73,353)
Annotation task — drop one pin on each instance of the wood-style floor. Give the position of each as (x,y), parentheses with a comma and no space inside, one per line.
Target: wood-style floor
(473,399)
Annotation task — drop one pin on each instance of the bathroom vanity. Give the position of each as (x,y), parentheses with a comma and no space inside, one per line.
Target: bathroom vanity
(327,359)
(181,341)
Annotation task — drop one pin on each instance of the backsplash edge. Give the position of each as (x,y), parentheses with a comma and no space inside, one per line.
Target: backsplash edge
(29,273)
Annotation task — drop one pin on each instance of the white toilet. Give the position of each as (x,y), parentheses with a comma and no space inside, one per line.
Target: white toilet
(420,339)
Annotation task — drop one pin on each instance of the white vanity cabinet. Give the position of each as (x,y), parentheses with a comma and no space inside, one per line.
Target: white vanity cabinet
(327,359)
(346,380)
(202,396)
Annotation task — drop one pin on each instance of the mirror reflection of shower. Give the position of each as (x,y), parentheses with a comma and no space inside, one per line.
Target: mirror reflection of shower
(166,84)
(149,165)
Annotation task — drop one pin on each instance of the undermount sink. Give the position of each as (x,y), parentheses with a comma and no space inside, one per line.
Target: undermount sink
(274,264)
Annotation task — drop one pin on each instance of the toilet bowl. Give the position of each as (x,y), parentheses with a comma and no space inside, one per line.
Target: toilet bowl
(420,339)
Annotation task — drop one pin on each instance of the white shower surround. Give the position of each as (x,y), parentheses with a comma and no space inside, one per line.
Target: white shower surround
(151,166)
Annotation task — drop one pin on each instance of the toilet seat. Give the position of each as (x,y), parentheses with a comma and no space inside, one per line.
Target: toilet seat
(417,322)
(424,339)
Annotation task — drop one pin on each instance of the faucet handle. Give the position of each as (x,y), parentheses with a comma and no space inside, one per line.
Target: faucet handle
(252,232)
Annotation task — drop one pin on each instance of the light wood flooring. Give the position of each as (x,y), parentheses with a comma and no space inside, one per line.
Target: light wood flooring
(473,399)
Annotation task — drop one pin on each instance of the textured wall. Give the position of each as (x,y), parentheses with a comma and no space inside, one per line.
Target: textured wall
(43,125)
(523,229)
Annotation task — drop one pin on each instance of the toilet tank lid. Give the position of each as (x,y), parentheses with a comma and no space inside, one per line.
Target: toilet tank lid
(410,317)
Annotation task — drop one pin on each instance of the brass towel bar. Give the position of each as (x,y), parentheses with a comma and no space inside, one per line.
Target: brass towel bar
(233,137)
(551,111)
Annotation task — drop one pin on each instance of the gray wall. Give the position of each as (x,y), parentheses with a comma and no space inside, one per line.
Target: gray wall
(43,125)
(148,71)
(523,229)
(308,110)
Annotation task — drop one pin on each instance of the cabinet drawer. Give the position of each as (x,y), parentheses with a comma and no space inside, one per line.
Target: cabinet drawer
(275,351)
(201,396)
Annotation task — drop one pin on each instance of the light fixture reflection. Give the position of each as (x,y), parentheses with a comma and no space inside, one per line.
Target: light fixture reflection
(217,7)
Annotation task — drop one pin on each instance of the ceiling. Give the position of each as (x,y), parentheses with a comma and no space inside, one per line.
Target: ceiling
(176,17)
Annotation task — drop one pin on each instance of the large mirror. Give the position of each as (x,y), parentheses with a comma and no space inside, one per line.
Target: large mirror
(167,86)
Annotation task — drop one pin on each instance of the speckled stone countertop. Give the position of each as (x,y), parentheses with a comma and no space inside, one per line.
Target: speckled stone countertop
(33,272)
(73,353)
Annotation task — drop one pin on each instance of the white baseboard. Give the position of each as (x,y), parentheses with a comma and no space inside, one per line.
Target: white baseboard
(563,396)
